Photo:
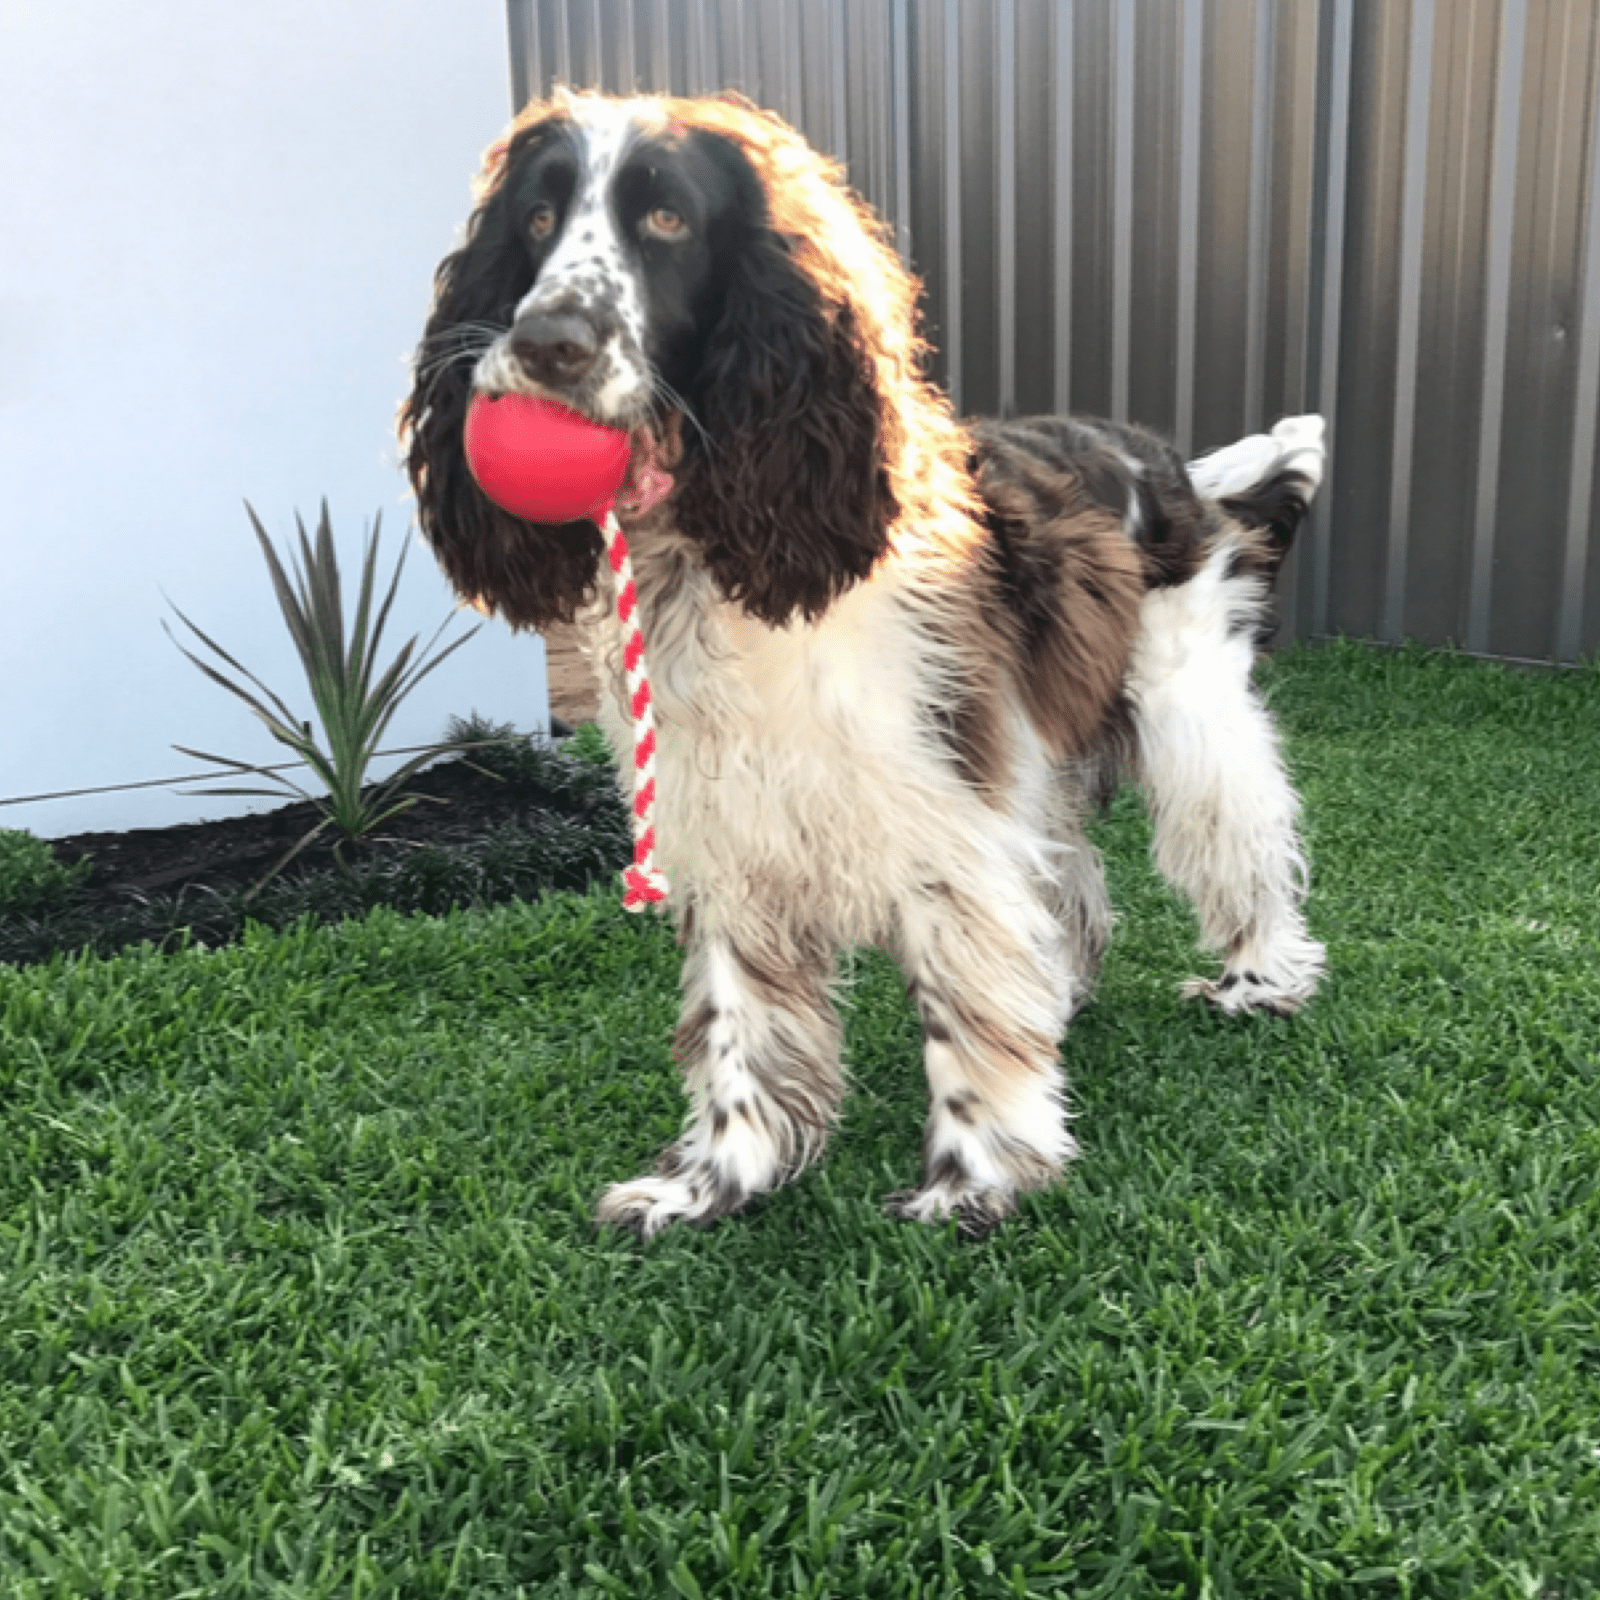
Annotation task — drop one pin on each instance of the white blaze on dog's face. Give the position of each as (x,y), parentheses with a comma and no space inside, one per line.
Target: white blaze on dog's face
(624,218)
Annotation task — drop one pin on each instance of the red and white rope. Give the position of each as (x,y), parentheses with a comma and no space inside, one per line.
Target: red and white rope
(646,883)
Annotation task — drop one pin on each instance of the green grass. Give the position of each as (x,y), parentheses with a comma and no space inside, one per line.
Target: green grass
(299,1295)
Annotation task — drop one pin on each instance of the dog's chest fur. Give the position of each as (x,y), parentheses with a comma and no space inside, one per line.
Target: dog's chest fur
(802,760)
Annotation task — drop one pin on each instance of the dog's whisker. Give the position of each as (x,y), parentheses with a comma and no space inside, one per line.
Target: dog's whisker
(458,330)
(446,358)
(455,344)
(454,338)
(430,369)
(663,391)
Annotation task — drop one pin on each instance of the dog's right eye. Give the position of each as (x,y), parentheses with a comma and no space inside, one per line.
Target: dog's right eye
(543,222)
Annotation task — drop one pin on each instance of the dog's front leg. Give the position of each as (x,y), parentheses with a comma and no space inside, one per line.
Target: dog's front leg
(758,1045)
(990,977)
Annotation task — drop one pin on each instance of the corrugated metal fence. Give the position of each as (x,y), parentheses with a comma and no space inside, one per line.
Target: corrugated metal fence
(1203,214)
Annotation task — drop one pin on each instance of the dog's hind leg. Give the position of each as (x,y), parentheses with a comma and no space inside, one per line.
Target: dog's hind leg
(1224,811)
(987,974)
(1076,893)
(758,1045)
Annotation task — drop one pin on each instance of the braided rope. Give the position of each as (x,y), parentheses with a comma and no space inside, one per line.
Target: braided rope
(646,883)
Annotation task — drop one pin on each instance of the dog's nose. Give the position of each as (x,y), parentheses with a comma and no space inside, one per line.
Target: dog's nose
(555,350)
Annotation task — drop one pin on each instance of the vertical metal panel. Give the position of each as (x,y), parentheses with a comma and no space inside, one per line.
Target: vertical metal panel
(837,80)
(523,37)
(1124,26)
(627,52)
(1542,373)
(1033,314)
(700,76)
(1261,132)
(900,58)
(563,63)
(793,83)
(1412,216)
(1291,285)
(1586,407)
(1497,305)
(1288,291)
(1203,214)
(1005,111)
(1062,195)
(749,58)
(596,42)
(954,343)
(1191,70)
(1335,196)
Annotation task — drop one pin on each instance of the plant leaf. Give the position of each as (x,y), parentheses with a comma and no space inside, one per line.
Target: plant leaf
(295,850)
(227,683)
(289,603)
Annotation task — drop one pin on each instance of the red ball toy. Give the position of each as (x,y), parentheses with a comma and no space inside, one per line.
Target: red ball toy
(542,462)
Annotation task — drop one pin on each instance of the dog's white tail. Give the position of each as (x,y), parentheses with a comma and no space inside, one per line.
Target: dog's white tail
(1295,448)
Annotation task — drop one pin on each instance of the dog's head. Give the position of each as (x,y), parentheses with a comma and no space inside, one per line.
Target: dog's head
(690,271)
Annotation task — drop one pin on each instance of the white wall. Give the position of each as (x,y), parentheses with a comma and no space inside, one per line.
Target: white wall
(221,220)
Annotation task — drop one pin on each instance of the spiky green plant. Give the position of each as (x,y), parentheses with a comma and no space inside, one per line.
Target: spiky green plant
(355,701)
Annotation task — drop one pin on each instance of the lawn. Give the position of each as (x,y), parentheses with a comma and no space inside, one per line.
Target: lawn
(299,1294)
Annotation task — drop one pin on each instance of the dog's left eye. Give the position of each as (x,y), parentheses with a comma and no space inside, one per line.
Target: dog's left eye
(665,223)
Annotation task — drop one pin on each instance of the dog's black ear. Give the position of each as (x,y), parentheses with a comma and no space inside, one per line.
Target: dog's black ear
(530,573)
(787,491)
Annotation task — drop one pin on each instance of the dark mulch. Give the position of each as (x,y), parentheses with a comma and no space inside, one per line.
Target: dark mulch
(509,822)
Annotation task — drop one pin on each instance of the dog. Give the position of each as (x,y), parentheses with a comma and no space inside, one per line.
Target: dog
(895,658)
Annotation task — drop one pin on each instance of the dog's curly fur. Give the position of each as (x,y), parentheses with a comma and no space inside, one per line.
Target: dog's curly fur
(894,657)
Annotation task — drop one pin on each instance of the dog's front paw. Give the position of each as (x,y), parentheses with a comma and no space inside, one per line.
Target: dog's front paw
(974,1211)
(695,1192)
(647,1205)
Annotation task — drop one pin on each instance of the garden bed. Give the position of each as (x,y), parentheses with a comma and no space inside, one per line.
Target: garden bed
(506,823)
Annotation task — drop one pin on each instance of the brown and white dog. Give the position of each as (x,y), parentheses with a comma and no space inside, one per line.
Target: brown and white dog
(895,658)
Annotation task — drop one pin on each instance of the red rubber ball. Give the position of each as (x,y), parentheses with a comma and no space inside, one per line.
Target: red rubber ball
(542,462)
